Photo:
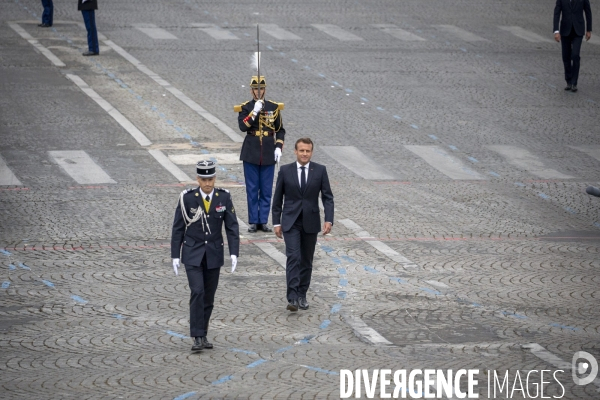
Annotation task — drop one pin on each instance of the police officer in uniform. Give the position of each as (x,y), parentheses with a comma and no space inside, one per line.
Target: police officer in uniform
(197,237)
(261,120)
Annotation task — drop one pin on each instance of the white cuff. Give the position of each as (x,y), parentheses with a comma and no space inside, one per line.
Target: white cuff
(555,32)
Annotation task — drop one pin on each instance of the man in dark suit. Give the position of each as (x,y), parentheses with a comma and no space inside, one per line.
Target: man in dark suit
(88,11)
(197,236)
(570,34)
(299,221)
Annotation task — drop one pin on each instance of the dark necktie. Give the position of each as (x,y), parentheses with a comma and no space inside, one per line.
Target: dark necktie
(302,180)
(207,203)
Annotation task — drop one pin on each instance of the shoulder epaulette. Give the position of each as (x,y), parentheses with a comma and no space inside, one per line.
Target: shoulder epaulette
(280,106)
(238,108)
(223,190)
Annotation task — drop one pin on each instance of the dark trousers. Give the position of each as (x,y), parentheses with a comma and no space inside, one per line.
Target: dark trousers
(299,250)
(203,285)
(571,45)
(259,190)
(48,14)
(89,18)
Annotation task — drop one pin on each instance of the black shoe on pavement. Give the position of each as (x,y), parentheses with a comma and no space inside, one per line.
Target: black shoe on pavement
(89,53)
(292,305)
(252,228)
(574,88)
(302,303)
(206,343)
(569,86)
(264,228)
(44,25)
(198,345)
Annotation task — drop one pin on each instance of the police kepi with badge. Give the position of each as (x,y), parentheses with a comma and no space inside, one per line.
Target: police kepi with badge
(197,237)
(261,120)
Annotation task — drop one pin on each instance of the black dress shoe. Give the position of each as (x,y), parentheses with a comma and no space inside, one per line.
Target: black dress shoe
(252,228)
(44,25)
(569,87)
(302,303)
(206,343)
(574,88)
(264,227)
(198,344)
(89,53)
(292,305)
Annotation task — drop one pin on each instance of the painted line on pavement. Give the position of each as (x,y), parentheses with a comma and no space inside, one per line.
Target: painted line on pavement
(525,34)
(363,330)
(525,160)
(169,166)
(590,150)
(49,55)
(337,32)
(357,162)
(399,33)
(184,396)
(220,125)
(106,106)
(447,164)
(278,33)
(80,166)
(461,33)
(154,31)
(7,178)
(215,32)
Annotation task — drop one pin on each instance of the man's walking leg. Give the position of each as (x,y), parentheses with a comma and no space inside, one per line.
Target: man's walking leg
(195,277)
(309,242)
(575,50)
(251,176)
(211,281)
(292,265)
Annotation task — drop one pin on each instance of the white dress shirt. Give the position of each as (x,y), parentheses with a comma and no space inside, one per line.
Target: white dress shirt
(298,166)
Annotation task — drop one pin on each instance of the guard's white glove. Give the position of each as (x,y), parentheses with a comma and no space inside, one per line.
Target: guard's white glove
(277,154)
(233,263)
(257,107)
(175,265)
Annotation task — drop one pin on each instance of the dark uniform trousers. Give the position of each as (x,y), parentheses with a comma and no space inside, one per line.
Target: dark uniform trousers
(571,46)
(203,285)
(48,14)
(299,250)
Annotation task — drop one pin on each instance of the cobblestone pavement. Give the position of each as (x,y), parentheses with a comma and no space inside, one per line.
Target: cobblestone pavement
(475,242)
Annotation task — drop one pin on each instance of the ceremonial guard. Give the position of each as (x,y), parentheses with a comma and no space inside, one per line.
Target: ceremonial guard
(261,150)
(197,237)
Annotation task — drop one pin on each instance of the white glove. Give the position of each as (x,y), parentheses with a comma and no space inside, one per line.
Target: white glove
(257,107)
(175,265)
(277,154)
(233,263)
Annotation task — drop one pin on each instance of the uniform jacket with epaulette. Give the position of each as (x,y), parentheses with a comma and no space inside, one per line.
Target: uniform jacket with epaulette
(260,149)
(196,241)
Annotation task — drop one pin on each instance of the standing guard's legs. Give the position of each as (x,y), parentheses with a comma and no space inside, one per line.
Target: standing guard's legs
(266,192)
(252,176)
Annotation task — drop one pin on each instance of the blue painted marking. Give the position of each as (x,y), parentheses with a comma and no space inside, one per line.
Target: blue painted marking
(170,122)
(543,195)
(24,266)
(492,173)
(348,90)
(343,282)
(552,86)
(371,270)
(414,126)
(186,136)
(342,271)
(473,159)
(453,147)
(363,99)
(478,56)
(178,129)
(78,299)
(119,316)
(118,81)
(256,363)
(597,224)
(321,370)
(306,339)
(178,335)
(509,314)
(283,349)
(463,49)
(324,324)
(5,284)
(138,97)
(185,396)
(269,47)
(397,117)
(294,60)
(399,280)
(533,78)
(327,249)
(243,351)
(12,267)
(569,209)
(203,151)
(153,108)
(520,184)
(111,75)
(349,259)
(336,84)
(48,283)
(591,101)
(432,291)
(380,109)
(476,305)
(321,75)
(224,379)
(336,308)
(6,253)
(564,326)
(433,137)
(341,294)
(336,260)
(162,115)
(306,67)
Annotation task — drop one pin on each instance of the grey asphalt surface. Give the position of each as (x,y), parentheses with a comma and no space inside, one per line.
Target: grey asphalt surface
(89,306)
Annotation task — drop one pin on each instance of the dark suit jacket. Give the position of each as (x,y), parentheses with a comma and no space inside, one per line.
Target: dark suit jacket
(88,5)
(195,242)
(572,16)
(288,195)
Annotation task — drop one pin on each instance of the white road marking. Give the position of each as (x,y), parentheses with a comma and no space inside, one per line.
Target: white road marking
(461,33)
(215,32)
(169,166)
(593,40)
(7,178)
(363,330)
(382,247)
(447,164)
(399,33)
(120,118)
(526,35)
(523,159)
(278,33)
(49,55)
(337,32)
(177,93)
(438,284)
(79,166)
(590,150)
(357,162)
(192,159)
(155,32)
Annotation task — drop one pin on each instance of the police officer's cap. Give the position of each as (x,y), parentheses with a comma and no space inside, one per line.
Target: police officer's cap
(206,169)
(254,82)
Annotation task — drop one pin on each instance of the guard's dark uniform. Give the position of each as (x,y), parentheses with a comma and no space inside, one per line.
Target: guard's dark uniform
(263,135)
(202,250)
